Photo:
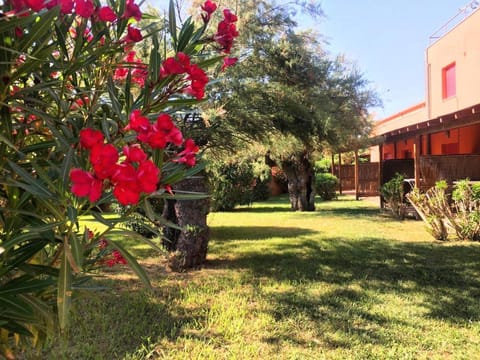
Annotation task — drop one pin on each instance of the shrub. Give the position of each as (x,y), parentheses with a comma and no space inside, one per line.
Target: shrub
(461,215)
(393,193)
(323,165)
(230,184)
(432,206)
(237,183)
(466,204)
(326,185)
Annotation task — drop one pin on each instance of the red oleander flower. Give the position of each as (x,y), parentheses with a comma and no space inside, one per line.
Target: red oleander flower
(85,184)
(183,59)
(132,10)
(148,176)
(187,156)
(172,66)
(125,173)
(105,13)
(138,123)
(104,158)
(119,257)
(125,195)
(84,8)
(198,81)
(66,6)
(229,16)
(154,138)
(90,138)
(102,244)
(134,153)
(133,35)
(175,137)
(18,32)
(171,133)
(126,189)
(209,7)
(226,31)
(164,123)
(228,62)
(19,6)
(36,5)
(139,71)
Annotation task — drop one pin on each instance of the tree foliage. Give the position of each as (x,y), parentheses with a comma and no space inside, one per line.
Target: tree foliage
(288,93)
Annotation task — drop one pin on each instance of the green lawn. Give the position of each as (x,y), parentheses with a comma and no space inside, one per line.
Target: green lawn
(344,282)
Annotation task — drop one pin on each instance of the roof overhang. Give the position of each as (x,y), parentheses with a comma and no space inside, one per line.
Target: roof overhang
(460,118)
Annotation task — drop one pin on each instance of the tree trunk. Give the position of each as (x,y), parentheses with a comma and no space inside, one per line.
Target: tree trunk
(188,247)
(300,175)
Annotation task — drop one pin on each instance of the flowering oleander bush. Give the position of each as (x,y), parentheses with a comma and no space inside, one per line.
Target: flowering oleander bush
(89,92)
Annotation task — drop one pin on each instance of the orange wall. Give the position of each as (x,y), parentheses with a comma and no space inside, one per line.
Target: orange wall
(464,140)
(460,46)
(470,139)
(467,139)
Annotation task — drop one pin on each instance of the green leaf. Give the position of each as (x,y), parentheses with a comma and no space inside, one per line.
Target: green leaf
(64,294)
(132,262)
(172,23)
(155,61)
(185,34)
(66,167)
(77,250)
(184,102)
(174,177)
(184,195)
(8,143)
(42,26)
(196,169)
(40,146)
(98,216)
(24,284)
(18,239)
(112,92)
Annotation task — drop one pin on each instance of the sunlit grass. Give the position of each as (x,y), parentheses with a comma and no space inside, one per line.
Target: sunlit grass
(344,282)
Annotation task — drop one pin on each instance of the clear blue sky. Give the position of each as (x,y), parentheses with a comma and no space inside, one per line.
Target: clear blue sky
(387,40)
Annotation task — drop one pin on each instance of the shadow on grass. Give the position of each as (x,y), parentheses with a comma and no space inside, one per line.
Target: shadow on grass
(444,278)
(256,233)
(346,212)
(262,209)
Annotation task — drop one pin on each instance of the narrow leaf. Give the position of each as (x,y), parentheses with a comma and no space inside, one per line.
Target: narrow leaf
(64,295)
(172,22)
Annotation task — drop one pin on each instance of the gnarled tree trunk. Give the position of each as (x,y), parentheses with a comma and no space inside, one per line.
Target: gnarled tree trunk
(300,175)
(188,247)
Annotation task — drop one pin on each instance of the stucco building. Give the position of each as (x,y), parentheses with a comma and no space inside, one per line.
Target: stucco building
(439,138)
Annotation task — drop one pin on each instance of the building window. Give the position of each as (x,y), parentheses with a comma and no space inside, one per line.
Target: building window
(449,88)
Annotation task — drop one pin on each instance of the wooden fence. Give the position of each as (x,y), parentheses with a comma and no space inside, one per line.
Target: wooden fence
(367,176)
(449,168)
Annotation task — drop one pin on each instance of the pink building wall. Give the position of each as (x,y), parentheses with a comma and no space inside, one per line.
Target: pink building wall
(453,57)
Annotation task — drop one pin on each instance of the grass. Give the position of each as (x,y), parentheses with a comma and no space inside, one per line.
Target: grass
(343,282)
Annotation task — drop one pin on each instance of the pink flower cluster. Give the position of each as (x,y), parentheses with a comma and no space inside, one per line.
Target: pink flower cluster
(135,174)
(115,258)
(129,178)
(226,31)
(83,8)
(138,69)
(196,78)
